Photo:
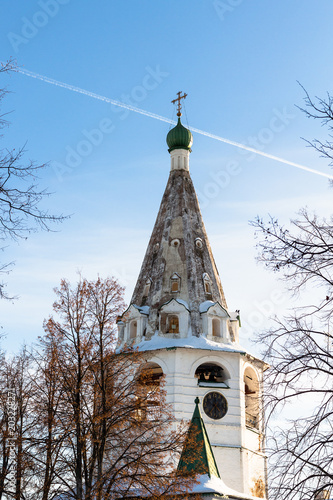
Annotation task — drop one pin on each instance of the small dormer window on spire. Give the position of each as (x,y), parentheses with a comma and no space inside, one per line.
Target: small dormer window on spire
(147,288)
(175,283)
(207,284)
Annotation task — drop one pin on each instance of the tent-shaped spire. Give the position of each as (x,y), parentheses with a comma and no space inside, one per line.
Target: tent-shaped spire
(178,246)
(197,455)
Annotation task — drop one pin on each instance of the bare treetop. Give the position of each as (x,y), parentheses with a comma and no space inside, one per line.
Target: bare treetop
(21,198)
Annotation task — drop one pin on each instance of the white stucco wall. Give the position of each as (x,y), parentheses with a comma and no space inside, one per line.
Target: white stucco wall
(237,448)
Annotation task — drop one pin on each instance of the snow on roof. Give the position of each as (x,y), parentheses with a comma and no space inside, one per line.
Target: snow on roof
(183,303)
(204,485)
(158,342)
(204,306)
(142,309)
(216,485)
(180,301)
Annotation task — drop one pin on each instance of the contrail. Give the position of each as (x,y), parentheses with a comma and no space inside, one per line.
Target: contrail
(167,120)
(95,96)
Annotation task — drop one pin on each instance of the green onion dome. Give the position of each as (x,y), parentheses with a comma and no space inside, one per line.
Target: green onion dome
(179,137)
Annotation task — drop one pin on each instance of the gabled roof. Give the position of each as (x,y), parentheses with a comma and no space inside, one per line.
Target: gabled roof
(141,309)
(179,301)
(197,455)
(205,306)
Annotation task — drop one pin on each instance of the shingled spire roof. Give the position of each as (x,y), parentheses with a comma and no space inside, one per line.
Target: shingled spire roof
(178,250)
(203,461)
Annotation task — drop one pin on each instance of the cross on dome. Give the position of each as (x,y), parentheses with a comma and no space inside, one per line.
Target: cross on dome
(179,137)
(179,106)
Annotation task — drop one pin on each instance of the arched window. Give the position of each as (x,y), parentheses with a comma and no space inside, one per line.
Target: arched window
(173,323)
(175,283)
(209,374)
(251,389)
(148,395)
(151,374)
(133,329)
(216,327)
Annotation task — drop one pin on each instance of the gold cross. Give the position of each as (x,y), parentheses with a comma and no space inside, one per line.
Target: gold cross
(179,103)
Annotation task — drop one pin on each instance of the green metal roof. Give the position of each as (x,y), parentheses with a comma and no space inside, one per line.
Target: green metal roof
(197,455)
(179,137)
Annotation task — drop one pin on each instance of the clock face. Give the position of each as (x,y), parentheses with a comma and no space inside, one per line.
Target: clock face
(215,405)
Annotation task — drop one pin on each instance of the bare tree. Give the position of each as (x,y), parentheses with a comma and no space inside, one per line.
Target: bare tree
(299,349)
(320,109)
(17,416)
(48,436)
(21,209)
(5,384)
(121,437)
(89,422)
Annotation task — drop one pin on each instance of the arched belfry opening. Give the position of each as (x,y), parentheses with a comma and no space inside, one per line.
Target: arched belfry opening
(150,375)
(148,391)
(211,374)
(252,406)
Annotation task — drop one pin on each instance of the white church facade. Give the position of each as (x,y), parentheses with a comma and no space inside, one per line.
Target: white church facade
(179,315)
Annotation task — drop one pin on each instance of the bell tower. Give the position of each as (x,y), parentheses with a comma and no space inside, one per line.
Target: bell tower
(178,313)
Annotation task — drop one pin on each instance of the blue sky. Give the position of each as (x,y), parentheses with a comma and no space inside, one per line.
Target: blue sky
(239,63)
